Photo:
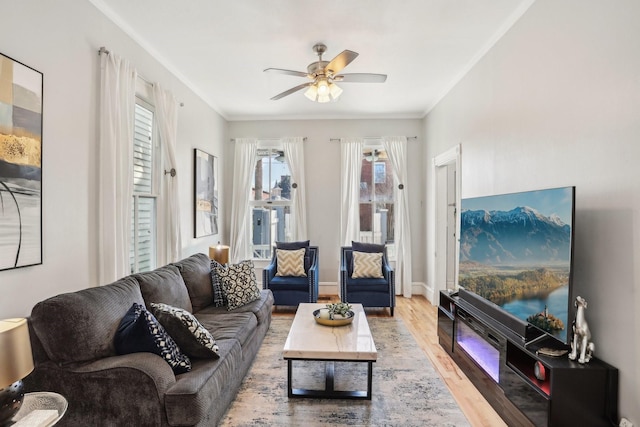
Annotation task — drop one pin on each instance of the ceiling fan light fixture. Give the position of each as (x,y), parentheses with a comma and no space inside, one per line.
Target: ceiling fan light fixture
(323,74)
(335,90)
(324,98)
(312,92)
(323,87)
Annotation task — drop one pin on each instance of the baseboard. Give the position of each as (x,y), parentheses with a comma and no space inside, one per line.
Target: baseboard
(328,288)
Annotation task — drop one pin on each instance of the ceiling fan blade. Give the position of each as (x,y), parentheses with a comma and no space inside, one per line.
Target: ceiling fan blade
(290,91)
(361,78)
(288,72)
(339,62)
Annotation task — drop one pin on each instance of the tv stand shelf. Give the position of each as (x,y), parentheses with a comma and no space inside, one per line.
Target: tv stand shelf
(525,387)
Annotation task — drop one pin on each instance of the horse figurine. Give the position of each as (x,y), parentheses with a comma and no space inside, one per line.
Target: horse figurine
(581,335)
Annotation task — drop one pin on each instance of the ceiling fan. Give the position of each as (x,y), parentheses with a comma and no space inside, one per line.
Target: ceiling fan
(324,74)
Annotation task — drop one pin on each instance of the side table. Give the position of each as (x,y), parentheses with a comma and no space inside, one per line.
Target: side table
(40,401)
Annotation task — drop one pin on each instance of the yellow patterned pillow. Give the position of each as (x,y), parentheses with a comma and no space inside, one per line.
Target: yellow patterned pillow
(367,265)
(290,263)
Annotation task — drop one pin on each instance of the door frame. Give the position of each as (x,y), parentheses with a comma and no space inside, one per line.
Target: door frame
(442,186)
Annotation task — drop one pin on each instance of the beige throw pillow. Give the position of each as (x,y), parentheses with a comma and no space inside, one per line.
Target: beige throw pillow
(367,265)
(290,263)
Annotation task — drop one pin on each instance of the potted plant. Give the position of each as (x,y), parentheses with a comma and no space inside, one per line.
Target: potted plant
(338,310)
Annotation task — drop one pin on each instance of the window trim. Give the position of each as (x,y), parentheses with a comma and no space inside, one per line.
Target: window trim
(143,89)
(270,145)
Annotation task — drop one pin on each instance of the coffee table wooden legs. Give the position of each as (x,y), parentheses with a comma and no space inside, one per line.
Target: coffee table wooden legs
(329,392)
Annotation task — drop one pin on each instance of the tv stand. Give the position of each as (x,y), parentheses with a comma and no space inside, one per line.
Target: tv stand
(524,387)
(541,338)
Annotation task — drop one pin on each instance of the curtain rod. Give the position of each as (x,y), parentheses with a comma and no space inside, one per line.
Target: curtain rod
(106,51)
(370,137)
(269,139)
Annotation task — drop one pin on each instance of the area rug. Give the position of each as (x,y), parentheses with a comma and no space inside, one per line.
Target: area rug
(407,391)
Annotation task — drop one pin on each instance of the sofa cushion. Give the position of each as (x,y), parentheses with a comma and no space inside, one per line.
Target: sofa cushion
(368,285)
(140,332)
(366,247)
(239,283)
(261,307)
(219,298)
(164,285)
(89,316)
(367,265)
(239,326)
(284,283)
(197,393)
(290,246)
(192,338)
(196,272)
(290,263)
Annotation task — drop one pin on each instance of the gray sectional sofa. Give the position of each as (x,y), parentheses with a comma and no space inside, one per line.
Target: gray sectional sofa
(73,345)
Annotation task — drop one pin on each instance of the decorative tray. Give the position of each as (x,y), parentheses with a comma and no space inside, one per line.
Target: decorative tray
(340,321)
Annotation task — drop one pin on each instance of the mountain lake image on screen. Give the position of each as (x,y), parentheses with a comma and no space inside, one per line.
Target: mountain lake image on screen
(516,252)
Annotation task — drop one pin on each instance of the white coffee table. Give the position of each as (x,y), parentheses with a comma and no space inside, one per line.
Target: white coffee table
(308,340)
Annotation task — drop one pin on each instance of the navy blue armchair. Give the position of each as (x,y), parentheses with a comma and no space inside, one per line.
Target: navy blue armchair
(370,292)
(289,290)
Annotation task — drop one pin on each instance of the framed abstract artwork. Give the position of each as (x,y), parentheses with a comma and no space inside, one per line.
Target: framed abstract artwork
(206,194)
(20,164)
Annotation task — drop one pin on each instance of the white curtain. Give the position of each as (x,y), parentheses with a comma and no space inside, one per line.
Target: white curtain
(117,103)
(294,153)
(246,156)
(396,148)
(167,118)
(351,167)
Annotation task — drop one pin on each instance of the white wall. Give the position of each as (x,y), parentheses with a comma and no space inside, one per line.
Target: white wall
(557,102)
(61,39)
(322,165)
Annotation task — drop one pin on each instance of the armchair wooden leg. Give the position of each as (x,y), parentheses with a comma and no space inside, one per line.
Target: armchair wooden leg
(391,309)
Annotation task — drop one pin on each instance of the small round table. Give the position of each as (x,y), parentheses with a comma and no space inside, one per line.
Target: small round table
(42,400)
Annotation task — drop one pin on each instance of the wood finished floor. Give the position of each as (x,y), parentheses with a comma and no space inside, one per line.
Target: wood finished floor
(420,317)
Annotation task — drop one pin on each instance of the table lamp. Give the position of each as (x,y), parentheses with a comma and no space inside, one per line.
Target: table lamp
(16,362)
(219,253)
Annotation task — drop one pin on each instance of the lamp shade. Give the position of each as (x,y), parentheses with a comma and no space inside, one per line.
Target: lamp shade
(16,359)
(219,253)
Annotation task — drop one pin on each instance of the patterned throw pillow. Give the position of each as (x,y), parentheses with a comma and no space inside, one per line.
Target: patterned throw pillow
(367,265)
(140,332)
(290,263)
(186,330)
(219,298)
(238,283)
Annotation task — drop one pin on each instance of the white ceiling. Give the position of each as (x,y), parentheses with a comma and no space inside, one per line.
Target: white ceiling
(219,48)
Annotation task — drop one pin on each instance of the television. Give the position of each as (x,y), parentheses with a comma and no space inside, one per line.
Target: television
(516,260)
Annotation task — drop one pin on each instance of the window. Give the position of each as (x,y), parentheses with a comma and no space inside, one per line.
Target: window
(377,198)
(270,201)
(143,213)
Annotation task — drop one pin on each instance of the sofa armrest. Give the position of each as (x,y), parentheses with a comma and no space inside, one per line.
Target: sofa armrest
(269,273)
(109,390)
(314,275)
(142,366)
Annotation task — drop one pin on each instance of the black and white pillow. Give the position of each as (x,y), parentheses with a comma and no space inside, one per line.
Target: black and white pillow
(219,298)
(193,338)
(238,283)
(140,332)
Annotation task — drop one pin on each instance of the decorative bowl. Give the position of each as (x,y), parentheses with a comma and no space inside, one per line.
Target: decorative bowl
(341,321)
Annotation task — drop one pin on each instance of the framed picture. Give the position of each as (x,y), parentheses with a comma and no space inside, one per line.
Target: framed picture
(379,173)
(206,194)
(20,164)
